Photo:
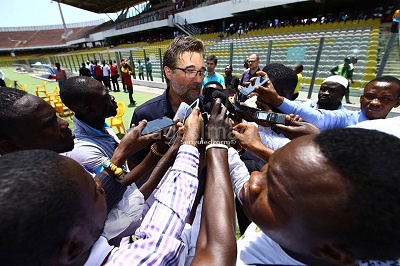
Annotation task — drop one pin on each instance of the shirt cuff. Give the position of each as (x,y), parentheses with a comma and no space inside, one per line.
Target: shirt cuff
(113,189)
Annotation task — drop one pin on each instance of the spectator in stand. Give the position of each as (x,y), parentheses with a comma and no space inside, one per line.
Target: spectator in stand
(114,75)
(126,73)
(106,75)
(298,69)
(61,75)
(84,71)
(253,62)
(141,70)
(211,62)
(99,72)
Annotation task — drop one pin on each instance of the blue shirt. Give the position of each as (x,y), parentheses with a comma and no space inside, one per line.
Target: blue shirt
(323,119)
(314,104)
(216,77)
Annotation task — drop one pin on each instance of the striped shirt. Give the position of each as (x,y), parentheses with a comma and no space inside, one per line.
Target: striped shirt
(158,238)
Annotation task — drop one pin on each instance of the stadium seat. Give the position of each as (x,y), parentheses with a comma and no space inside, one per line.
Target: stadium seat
(117,120)
(41,88)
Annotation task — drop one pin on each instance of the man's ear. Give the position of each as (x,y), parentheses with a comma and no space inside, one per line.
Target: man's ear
(168,72)
(335,254)
(73,249)
(398,103)
(7,146)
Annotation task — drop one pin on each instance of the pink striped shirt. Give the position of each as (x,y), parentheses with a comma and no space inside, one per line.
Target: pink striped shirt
(158,238)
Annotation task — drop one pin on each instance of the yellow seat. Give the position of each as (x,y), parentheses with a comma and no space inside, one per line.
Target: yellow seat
(318,81)
(369,77)
(23,87)
(41,88)
(51,96)
(60,107)
(117,121)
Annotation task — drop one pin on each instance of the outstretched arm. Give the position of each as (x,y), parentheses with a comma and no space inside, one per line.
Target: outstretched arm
(216,244)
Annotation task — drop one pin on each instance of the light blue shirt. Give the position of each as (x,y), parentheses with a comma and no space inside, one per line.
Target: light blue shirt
(216,77)
(323,119)
(314,104)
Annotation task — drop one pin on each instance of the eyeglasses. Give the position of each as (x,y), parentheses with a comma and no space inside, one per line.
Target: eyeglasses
(192,73)
(251,61)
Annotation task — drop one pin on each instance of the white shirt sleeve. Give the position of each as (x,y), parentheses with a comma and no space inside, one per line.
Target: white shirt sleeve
(128,210)
(238,171)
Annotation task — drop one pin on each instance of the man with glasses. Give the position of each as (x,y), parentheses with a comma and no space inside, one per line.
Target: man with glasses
(184,71)
(253,61)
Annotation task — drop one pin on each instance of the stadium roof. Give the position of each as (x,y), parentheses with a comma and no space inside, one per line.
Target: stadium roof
(102,6)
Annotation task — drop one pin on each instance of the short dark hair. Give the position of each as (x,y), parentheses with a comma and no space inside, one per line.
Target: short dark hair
(8,96)
(212,57)
(282,77)
(177,47)
(388,79)
(368,161)
(300,67)
(39,204)
(77,91)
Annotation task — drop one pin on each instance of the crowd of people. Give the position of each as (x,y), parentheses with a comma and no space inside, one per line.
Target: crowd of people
(320,188)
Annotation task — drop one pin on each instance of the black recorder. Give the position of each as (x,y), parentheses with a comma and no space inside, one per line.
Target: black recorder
(270,117)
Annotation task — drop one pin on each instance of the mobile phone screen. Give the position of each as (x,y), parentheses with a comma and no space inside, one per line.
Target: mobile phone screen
(258,82)
(157,125)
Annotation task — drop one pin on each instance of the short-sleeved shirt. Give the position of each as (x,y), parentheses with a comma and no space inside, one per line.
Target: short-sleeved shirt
(216,77)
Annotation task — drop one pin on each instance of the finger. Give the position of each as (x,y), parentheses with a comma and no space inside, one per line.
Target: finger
(261,73)
(239,126)
(253,79)
(216,106)
(151,136)
(142,124)
(245,84)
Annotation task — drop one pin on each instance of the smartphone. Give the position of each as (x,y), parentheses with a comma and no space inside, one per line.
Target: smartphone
(190,109)
(258,82)
(182,112)
(270,117)
(157,125)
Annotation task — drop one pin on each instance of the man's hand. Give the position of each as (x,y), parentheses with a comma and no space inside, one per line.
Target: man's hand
(247,135)
(132,142)
(296,128)
(267,92)
(192,128)
(218,126)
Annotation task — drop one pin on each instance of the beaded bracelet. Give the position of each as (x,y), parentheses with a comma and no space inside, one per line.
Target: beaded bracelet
(118,172)
(153,149)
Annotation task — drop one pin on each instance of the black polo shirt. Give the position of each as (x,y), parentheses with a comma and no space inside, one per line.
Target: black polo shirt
(152,109)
